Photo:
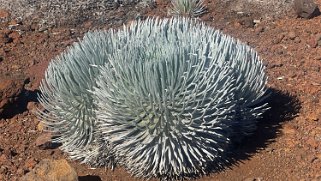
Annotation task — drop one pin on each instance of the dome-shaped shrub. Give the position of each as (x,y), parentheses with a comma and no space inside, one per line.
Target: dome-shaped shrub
(163,97)
(173,97)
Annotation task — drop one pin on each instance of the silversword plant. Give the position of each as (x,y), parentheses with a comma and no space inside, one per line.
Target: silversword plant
(165,98)
(190,8)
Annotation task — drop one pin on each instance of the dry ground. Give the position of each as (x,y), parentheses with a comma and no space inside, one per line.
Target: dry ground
(287,144)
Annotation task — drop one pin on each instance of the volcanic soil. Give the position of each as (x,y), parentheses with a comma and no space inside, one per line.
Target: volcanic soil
(286,145)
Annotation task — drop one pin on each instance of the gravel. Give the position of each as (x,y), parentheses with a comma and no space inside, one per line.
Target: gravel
(268,8)
(64,11)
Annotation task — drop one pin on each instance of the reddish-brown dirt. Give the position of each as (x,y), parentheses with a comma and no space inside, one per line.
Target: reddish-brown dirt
(286,145)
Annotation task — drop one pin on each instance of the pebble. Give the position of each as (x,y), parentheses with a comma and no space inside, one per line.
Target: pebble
(297,40)
(259,30)
(40,126)
(44,141)
(31,106)
(292,35)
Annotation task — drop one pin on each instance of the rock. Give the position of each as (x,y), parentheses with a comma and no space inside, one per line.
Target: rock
(306,8)
(292,35)
(11,86)
(297,40)
(41,127)
(247,22)
(259,30)
(32,106)
(44,141)
(51,170)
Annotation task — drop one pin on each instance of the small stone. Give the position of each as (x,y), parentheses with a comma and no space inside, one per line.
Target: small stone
(40,126)
(257,21)
(52,170)
(297,40)
(247,22)
(306,8)
(259,30)
(44,141)
(292,35)
(31,106)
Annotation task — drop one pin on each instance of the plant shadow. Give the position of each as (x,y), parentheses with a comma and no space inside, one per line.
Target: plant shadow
(283,107)
(89,178)
(20,104)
